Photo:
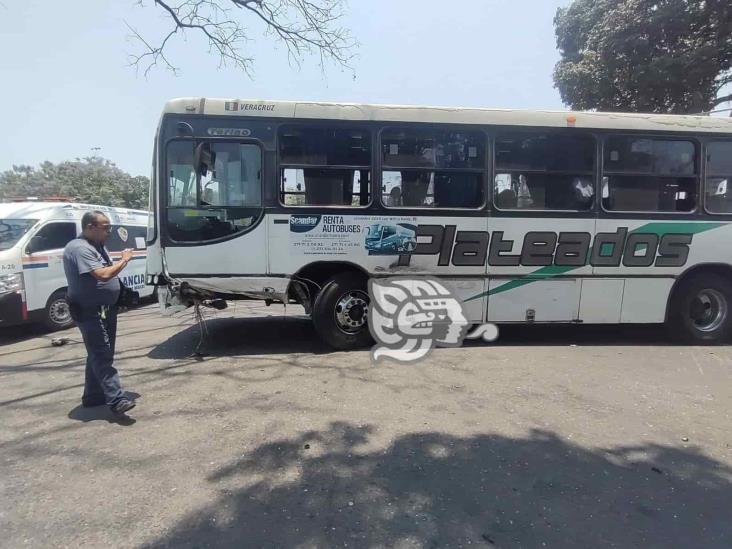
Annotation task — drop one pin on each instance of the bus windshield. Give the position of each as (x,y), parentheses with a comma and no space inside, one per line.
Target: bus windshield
(12,230)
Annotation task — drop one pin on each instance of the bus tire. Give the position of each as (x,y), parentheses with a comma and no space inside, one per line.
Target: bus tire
(701,310)
(57,315)
(340,312)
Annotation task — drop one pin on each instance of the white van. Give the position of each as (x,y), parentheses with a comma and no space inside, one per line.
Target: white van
(32,239)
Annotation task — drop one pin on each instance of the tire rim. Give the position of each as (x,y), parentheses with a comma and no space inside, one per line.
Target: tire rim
(58,312)
(351,311)
(708,310)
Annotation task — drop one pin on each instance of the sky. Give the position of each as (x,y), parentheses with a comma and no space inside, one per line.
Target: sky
(67,87)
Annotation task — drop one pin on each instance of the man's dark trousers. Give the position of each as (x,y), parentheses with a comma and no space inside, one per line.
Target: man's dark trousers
(99,330)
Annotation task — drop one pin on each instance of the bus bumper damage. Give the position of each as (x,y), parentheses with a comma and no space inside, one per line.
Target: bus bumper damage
(178,295)
(171,301)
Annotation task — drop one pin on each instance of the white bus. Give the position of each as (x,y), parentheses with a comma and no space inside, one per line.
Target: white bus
(33,235)
(540,217)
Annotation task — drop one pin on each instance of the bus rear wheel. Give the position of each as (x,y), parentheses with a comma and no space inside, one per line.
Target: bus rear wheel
(701,310)
(340,312)
(57,314)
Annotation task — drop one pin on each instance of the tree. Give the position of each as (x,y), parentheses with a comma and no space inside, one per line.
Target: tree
(644,55)
(304,26)
(92,180)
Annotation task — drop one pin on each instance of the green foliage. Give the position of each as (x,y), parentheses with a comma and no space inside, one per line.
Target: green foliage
(91,180)
(644,55)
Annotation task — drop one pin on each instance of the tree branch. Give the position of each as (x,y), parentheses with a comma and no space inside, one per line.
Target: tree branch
(723,99)
(304,26)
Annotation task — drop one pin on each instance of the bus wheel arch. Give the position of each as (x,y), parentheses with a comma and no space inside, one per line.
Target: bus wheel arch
(317,274)
(699,307)
(57,315)
(339,303)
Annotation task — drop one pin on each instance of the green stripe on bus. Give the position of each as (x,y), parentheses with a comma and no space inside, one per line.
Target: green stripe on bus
(657,227)
(662,227)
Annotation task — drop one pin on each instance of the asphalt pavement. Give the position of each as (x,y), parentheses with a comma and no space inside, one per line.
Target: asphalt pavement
(573,436)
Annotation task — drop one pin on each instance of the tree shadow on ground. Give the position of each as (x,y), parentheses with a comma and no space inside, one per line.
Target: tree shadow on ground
(19,334)
(330,488)
(31,330)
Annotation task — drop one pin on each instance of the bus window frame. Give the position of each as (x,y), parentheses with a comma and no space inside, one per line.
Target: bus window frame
(534,130)
(280,167)
(698,175)
(195,139)
(484,172)
(705,174)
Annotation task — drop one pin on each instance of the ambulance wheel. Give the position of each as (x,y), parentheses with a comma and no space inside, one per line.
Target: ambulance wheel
(701,310)
(57,315)
(340,312)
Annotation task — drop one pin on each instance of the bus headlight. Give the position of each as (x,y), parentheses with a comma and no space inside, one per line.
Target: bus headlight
(11,283)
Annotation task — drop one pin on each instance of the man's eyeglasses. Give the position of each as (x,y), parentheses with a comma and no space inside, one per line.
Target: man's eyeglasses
(107,228)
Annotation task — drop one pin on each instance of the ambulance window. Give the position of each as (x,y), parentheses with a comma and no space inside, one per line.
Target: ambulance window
(54,236)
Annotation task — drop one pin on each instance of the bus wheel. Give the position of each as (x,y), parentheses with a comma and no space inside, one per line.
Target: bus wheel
(57,315)
(340,312)
(701,310)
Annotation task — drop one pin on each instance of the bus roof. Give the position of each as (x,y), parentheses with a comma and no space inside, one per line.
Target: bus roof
(32,209)
(448,115)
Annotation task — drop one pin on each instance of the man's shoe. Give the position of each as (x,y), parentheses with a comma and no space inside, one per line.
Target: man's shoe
(92,402)
(123,406)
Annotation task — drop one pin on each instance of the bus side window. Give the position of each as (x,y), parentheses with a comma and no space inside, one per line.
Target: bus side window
(718,190)
(433,168)
(324,166)
(645,174)
(544,171)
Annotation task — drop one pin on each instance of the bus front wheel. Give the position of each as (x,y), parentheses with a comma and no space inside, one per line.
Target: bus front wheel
(701,310)
(57,315)
(340,312)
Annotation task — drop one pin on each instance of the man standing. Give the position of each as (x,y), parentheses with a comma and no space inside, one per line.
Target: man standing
(93,292)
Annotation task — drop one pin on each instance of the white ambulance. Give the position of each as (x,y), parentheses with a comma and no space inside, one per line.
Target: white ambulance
(32,238)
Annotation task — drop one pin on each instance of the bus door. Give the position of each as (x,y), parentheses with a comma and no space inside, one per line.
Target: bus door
(212,229)
(543,223)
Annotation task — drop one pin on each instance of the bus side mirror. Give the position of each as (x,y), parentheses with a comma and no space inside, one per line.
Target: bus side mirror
(203,159)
